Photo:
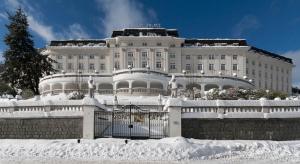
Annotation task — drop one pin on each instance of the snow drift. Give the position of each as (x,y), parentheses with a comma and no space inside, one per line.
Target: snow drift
(167,149)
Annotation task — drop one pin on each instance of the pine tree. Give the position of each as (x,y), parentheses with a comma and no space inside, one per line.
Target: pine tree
(24,65)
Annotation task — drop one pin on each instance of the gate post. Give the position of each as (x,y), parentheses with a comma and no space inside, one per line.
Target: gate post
(88,106)
(174,121)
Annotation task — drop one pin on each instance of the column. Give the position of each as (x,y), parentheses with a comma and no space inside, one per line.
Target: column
(166,62)
(138,58)
(174,121)
(63,87)
(148,87)
(202,89)
(130,87)
(88,106)
(51,88)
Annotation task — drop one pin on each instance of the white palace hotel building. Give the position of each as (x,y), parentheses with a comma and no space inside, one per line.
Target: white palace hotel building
(141,61)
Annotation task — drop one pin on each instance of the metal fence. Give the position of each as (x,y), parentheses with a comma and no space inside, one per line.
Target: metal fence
(131,121)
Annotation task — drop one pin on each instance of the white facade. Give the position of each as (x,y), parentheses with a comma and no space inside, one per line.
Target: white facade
(141,61)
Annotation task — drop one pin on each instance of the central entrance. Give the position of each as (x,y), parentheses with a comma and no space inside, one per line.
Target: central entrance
(130,121)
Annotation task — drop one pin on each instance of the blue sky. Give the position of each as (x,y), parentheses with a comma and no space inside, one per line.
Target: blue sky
(272,25)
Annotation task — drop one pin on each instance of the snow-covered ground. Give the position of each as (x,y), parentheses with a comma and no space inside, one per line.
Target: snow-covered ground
(167,150)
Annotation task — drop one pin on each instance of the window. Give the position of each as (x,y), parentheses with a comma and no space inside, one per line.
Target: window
(266,75)
(117,55)
(271,67)
(130,54)
(144,64)
(200,67)
(282,70)
(70,57)
(222,57)
(59,66)
(259,64)
(80,66)
(158,44)
(172,55)
(271,76)
(92,56)
(211,57)
(211,67)
(59,57)
(130,63)
(277,69)
(92,66)
(266,84)
(172,45)
(188,67)
(247,61)
(247,71)
(266,66)
(259,73)
(102,66)
(188,57)
(234,57)
(102,57)
(130,44)
(80,56)
(70,66)
(234,67)
(172,66)
(253,72)
(199,57)
(223,67)
(117,65)
(158,54)
(144,55)
(158,64)
(253,62)
(144,44)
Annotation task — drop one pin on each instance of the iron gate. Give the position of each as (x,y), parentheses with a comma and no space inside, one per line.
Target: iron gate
(130,121)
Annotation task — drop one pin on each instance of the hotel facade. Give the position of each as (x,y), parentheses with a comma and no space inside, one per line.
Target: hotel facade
(141,61)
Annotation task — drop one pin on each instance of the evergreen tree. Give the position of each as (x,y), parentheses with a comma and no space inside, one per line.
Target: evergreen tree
(24,65)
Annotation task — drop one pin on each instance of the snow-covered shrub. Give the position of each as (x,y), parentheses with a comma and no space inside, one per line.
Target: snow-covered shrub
(75,95)
(247,94)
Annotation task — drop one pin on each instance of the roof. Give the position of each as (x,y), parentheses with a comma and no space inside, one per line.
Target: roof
(213,42)
(273,55)
(76,42)
(145,32)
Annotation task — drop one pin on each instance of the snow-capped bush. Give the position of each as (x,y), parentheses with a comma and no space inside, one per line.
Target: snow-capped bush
(247,94)
(75,95)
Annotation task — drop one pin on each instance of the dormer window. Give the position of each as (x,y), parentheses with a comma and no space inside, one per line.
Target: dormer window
(130,44)
(144,44)
(158,44)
